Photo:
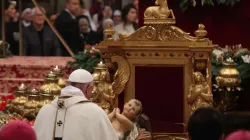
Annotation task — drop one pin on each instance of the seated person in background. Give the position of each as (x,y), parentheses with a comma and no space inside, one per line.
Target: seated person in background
(124,123)
(205,124)
(87,35)
(239,135)
(17,130)
(39,39)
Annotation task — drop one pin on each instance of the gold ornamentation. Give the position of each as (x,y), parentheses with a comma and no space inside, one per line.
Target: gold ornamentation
(159,14)
(31,107)
(156,32)
(20,99)
(201,32)
(51,84)
(199,93)
(109,32)
(229,75)
(105,92)
(61,81)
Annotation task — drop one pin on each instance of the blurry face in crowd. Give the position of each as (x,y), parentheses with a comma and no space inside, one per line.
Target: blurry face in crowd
(73,6)
(107,12)
(11,11)
(117,19)
(132,15)
(53,18)
(27,16)
(38,17)
(136,3)
(83,25)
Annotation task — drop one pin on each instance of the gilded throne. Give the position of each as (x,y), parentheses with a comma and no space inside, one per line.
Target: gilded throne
(161,59)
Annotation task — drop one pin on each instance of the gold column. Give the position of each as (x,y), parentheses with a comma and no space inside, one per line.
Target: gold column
(20,29)
(3,27)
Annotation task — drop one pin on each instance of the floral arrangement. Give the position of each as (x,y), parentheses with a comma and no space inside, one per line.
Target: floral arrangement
(240,55)
(184,4)
(87,59)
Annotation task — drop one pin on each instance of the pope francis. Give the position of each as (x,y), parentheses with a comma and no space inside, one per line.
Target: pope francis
(72,116)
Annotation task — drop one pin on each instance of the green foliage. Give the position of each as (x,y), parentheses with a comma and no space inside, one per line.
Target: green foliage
(184,4)
(86,60)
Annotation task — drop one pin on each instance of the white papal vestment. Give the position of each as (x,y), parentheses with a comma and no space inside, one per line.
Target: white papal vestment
(83,121)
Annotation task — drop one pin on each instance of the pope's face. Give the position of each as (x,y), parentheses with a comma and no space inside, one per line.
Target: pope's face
(131,109)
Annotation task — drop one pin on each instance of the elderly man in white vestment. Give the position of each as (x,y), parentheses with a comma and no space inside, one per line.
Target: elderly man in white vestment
(72,116)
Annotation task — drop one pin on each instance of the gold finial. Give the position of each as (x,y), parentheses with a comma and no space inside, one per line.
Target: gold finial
(159,14)
(109,32)
(201,32)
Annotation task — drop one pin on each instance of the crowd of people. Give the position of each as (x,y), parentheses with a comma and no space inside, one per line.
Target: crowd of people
(76,24)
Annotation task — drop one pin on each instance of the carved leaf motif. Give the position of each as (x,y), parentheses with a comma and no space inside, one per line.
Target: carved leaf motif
(122,74)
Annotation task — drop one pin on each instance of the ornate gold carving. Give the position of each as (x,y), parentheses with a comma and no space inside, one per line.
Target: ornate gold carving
(164,33)
(182,136)
(109,32)
(105,92)
(201,32)
(199,93)
(159,14)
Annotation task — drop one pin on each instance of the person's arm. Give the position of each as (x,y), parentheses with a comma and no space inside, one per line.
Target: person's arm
(56,46)
(124,120)
(111,115)
(144,135)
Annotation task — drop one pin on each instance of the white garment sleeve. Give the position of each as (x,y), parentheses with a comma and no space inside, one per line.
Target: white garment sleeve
(105,128)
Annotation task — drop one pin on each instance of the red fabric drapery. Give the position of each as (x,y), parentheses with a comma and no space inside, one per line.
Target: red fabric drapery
(226,25)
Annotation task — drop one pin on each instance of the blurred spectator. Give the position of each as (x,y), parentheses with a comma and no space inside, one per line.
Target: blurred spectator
(17,130)
(26,17)
(38,39)
(98,18)
(239,135)
(117,18)
(88,36)
(52,18)
(12,26)
(205,124)
(67,26)
(128,24)
(86,12)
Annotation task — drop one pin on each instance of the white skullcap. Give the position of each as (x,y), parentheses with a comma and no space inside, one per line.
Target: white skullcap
(80,76)
(117,13)
(26,11)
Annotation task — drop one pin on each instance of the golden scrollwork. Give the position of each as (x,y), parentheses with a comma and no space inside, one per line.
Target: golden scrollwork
(199,93)
(105,92)
(161,32)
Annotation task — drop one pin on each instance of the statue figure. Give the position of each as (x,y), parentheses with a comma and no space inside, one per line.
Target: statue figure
(199,93)
(105,92)
(123,123)
(159,12)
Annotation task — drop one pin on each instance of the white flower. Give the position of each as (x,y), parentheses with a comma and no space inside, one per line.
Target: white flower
(217,52)
(246,58)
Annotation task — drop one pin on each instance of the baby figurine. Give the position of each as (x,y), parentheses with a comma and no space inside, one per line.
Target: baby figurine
(124,122)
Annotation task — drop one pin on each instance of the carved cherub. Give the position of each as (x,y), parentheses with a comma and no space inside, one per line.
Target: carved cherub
(124,122)
(199,93)
(159,12)
(105,91)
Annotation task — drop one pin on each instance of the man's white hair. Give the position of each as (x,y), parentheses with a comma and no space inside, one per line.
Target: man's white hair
(26,11)
(33,10)
(106,22)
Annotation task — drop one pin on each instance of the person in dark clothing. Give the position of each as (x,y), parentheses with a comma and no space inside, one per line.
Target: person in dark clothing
(67,26)
(88,36)
(39,39)
(12,27)
(205,124)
